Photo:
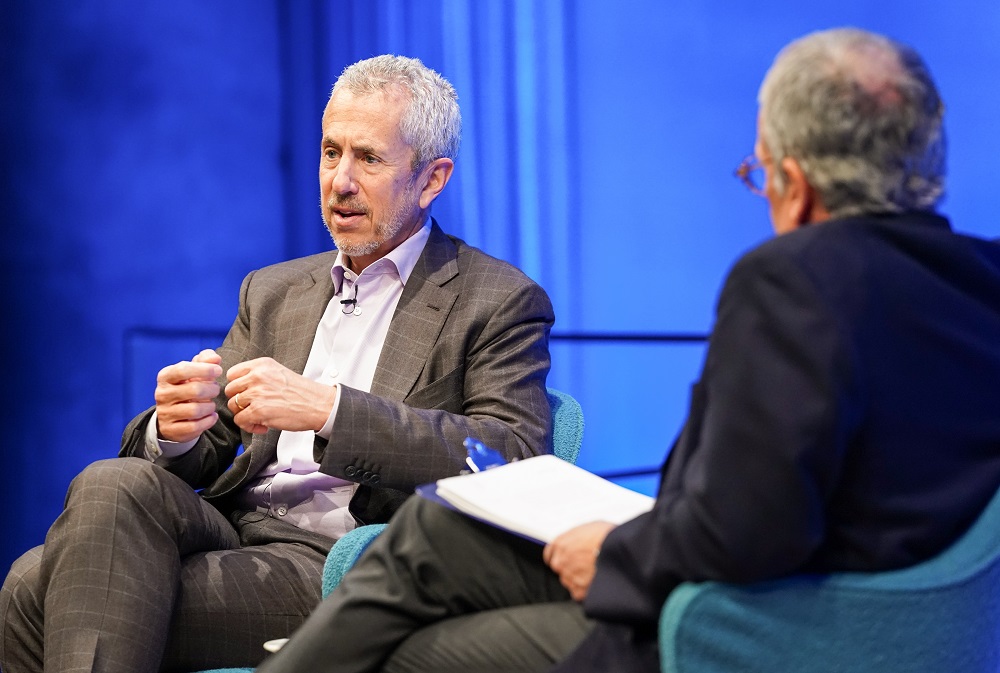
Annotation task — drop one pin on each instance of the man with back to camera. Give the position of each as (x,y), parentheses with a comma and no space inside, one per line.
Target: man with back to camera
(352,376)
(846,417)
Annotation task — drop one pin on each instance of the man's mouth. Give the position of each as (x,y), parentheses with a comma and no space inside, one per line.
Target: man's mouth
(347,215)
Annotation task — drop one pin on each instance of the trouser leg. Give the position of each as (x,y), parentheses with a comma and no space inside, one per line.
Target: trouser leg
(231,602)
(519,639)
(109,570)
(431,564)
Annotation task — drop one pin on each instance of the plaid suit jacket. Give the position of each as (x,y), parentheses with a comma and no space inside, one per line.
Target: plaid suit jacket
(466,355)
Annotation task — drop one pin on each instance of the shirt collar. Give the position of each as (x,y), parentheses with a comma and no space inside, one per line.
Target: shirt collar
(401,259)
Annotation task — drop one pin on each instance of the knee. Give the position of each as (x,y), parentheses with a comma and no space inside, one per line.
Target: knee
(21,615)
(420,512)
(20,591)
(107,480)
(111,471)
(428,524)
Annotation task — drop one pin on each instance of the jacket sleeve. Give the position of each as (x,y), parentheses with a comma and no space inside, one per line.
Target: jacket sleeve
(495,392)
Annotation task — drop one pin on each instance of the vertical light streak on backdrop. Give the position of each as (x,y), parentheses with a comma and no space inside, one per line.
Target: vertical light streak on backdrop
(458,37)
(526,130)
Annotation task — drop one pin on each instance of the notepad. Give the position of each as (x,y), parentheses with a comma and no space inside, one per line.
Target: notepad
(538,498)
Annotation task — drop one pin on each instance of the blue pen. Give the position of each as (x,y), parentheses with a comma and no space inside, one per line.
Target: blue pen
(481,457)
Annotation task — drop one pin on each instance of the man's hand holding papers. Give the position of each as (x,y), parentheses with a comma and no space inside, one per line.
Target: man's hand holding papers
(548,500)
(573,556)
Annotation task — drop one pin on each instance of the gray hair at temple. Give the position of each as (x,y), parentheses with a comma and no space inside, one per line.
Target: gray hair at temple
(863,118)
(432,123)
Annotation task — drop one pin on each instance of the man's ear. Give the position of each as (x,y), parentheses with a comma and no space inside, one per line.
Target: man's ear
(799,196)
(435,175)
(803,202)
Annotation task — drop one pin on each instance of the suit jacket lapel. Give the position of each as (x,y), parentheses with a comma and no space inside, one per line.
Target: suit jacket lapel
(420,315)
(293,333)
(296,328)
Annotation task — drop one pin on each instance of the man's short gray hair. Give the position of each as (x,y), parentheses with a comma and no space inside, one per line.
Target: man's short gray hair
(432,123)
(863,118)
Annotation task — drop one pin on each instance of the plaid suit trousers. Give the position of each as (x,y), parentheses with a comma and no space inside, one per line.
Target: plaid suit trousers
(139,573)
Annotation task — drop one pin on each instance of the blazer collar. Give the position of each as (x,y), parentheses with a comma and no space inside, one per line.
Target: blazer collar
(312,292)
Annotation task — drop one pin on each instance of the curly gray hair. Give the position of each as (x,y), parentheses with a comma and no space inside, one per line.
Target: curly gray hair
(432,123)
(862,116)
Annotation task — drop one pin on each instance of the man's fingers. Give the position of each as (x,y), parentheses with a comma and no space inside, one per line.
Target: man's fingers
(240,369)
(185,371)
(259,364)
(183,422)
(194,410)
(243,422)
(188,390)
(208,355)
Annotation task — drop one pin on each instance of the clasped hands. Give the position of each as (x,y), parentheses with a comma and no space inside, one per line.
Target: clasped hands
(263,395)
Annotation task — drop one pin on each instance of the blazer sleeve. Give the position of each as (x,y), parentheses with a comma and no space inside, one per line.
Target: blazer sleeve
(744,497)
(494,390)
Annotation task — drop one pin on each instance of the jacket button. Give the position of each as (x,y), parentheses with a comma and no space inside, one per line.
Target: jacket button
(350,470)
(374,480)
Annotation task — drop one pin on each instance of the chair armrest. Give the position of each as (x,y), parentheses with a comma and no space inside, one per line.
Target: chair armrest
(345,552)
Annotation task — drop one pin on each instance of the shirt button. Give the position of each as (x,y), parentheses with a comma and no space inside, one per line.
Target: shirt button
(332,373)
(282,511)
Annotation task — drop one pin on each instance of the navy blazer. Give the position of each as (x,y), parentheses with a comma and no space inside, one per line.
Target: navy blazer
(847,418)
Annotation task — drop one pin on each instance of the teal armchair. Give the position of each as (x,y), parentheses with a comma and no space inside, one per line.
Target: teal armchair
(939,616)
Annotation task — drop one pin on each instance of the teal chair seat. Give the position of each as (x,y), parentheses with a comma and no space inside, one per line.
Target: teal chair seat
(939,616)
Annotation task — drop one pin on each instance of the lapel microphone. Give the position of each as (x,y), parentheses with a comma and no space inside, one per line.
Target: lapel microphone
(350,305)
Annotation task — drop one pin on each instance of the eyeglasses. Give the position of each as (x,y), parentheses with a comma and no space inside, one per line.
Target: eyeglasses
(751,174)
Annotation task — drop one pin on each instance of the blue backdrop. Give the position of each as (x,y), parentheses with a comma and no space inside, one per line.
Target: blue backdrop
(154,153)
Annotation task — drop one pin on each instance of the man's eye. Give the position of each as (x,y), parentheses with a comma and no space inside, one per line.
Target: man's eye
(331,154)
(370,159)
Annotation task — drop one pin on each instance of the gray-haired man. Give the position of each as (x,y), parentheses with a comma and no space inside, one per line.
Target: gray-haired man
(846,416)
(350,377)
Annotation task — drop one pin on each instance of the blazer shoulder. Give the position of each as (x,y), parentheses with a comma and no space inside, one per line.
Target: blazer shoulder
(479,266)
(833,248)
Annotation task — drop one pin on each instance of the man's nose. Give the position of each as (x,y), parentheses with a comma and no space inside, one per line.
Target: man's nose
(343,177)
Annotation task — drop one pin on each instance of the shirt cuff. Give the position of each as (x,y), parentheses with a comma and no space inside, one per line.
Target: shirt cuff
(157,448)
(327,430)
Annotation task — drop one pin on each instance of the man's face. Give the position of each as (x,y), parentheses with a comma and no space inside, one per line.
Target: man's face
(370,196)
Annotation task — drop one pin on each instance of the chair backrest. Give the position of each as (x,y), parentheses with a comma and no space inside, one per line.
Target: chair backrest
(567,425)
